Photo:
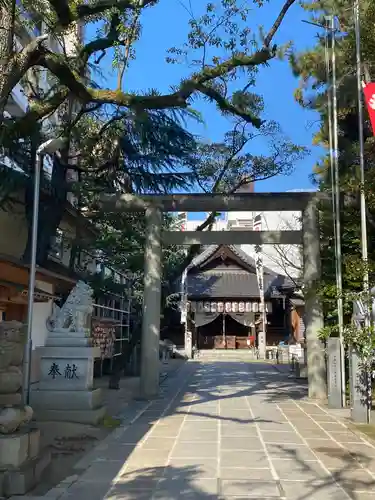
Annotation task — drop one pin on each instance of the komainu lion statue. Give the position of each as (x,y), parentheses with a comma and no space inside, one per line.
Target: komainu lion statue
(64,318)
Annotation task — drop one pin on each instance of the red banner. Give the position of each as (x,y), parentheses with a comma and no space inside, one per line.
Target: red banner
(369,91)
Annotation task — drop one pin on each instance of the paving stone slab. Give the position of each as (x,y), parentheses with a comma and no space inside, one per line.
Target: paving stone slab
(282,437)
(198,436)
(249,489)
(291,452)
(244,459)
(313,490)
(203,467)
(238,431)
(345,437)
(148,458)
(186,485)
(240,443)
(195,450)
(158,443)
(246,473)
(303,471)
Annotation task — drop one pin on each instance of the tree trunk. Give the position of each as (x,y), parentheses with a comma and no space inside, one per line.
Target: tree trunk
(6,52)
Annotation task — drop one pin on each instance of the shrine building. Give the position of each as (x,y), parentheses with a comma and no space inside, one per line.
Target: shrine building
(224,307)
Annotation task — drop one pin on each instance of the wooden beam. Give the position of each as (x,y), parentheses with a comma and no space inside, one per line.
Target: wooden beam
(232,237)
(246,202)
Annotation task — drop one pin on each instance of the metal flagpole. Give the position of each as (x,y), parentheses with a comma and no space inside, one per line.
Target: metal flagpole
(361,156)
(340,312)
(330,132)
(364,249)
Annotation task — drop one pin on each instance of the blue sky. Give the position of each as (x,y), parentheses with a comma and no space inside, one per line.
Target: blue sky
(166,25)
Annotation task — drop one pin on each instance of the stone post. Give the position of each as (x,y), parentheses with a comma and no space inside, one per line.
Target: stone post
(262,345)
(359,393)
(334,373)
(188,343)
(316,365)
(149,386)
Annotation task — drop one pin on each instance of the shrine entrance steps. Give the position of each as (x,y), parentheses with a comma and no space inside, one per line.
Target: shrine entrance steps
(227,355)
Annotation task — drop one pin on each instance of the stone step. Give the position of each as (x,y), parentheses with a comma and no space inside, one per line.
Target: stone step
(60,400)
(91,417)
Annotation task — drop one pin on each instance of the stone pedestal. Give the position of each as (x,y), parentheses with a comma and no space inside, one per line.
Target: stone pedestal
(21,462)
(65,390)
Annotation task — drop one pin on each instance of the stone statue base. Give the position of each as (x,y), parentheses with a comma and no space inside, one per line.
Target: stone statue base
(65,390)
(21,461)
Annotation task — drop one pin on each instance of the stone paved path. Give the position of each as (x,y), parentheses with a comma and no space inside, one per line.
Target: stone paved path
(230,430)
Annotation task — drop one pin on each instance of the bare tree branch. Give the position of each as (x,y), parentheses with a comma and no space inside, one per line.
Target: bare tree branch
(198,82)
(67,15)
(277,23)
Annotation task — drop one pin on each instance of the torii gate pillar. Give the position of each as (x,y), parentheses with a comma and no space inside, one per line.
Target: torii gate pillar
(316,364)
(149,384)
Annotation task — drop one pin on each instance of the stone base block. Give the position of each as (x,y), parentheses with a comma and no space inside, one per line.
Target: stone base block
(62,400)
(301,370)
(18,481)
(62,341)
(91,417)
(15,449)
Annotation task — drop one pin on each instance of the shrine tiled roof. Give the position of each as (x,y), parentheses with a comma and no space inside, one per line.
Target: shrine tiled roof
(211,249)
(231,283)
(223,284)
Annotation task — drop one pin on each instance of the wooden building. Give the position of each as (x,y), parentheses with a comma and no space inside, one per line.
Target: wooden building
(224,308)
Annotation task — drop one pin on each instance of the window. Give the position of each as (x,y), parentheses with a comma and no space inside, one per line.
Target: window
(57,245)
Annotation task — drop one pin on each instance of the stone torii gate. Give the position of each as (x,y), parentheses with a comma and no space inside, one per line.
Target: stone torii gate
(154,205)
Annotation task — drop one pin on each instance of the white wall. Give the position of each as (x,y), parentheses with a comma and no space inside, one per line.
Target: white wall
(219,225)
(39,331)
(41,312)
(282,259)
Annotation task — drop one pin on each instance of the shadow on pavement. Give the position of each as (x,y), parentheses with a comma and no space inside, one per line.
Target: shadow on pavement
(164,484)
(123,468)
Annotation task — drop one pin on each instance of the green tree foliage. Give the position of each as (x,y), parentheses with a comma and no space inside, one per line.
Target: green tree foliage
(310,67)
(131,141)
